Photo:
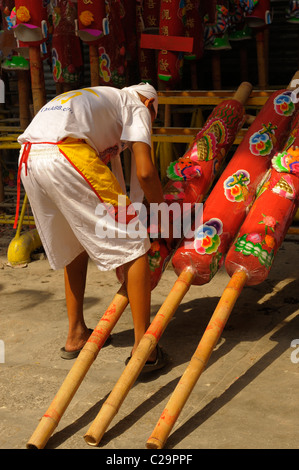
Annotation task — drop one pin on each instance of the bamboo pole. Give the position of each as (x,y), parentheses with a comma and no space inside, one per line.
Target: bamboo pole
(78,371)
(198,361)
(139,358)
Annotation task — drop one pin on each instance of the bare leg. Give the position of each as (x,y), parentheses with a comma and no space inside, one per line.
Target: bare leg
(138,284)
(75,280)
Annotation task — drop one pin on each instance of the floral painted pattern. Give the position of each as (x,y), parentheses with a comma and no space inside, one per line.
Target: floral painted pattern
(258,244)
(236,186)
(86,17)
(269,222)
(57,69)
(183,169)
(252,244)
(214,135)
(287,162)
(261,142)
(283,104)
(23,14)
(206,237)
(104,65)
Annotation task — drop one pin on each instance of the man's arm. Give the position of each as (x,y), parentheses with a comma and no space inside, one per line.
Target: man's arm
(149,180)
(147,173)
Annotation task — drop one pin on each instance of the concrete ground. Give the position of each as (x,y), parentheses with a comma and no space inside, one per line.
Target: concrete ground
(245,399)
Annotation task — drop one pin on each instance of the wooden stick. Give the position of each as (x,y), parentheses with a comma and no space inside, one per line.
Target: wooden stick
(166,148)
(94,65)
(22,214)
(293,231)
(24,95)
(2,196)
(243,61)
(37,78)
(198,362)
(262,59)
(78,371)
(216,70)
(139,358)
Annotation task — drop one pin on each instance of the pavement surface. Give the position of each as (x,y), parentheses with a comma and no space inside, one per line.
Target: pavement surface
(245,399)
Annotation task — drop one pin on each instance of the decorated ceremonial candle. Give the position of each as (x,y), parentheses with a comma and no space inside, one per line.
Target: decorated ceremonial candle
(191,176)
(226,207)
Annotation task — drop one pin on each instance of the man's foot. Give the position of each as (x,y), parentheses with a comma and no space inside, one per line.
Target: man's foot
(77,339)
(73,353)
(73,346)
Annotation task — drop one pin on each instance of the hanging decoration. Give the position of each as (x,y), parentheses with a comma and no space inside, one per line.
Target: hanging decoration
(216,28)
(148,23)
(8,43)
(92,21)
(170,61)
(66,48)
(31,26)
(238,28)
(257,12)
(194,28)
(112,48)
(292,13)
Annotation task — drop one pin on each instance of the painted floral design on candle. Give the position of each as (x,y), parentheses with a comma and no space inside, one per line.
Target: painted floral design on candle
(183,169)
(283,104)
(236,186)
(206,238)
(262,141)
(252,244)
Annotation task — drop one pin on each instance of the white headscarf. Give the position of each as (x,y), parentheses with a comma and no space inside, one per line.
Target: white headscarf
(136,193)
(147,90)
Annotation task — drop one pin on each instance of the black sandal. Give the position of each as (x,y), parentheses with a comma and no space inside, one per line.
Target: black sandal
(150,366)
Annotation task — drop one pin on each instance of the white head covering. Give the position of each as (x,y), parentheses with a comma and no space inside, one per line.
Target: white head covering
(147,90)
